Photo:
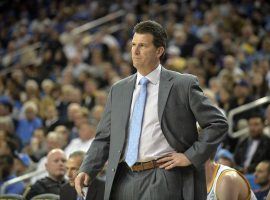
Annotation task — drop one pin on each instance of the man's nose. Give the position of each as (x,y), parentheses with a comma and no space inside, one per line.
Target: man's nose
(69,173)
(137,50)
(62,164)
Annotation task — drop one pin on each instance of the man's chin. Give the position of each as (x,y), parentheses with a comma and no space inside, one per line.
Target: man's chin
(72,184)
(136,64)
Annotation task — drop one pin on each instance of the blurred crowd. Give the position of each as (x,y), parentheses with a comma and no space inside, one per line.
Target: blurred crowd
(54,83)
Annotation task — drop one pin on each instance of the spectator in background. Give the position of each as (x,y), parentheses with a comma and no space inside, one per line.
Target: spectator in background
(67,191)
(7,173)
(28,124)
(7,147)
(23,164)
(63,130)
(228,82)
(67,79)
(101,97)
(262,178)
(259,85)
(84,141)
(266,129)
(5,106)
(90,88)
(47,86)
(96,114)
(125,69)
(80,118)
(77,65)
(7,128)
(54,140)
(174,61)
(56,94)
(253,149)
(63,100)
(224,99)
(51,118)
(46,99)
(214,85)
(72,110)
(7,121)
(231,67)
(32,92)
(56,169)
(76,95)
(37,148)
(241,96)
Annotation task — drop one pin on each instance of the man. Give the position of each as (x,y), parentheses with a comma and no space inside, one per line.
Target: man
(54,140)
(152,146)
(56,169)
(27,125)
(262,178)
(83,142)
(253,149)
(7,174)
(225,183)
(23,164)
(52,119)
(68,191)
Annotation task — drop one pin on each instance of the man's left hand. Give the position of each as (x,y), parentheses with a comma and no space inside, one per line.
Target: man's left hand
(174,160)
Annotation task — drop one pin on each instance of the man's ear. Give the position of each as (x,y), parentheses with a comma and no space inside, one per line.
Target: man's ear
(160,51)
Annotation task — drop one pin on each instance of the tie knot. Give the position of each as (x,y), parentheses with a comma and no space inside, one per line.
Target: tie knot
(144,81)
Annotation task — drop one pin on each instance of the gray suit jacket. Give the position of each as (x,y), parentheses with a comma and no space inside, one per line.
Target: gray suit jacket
(180,104)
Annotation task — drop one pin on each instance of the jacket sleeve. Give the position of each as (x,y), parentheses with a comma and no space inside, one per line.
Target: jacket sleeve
(212,122)
(98,152)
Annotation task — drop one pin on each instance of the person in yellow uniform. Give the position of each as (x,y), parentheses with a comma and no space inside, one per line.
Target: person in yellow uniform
(226,183)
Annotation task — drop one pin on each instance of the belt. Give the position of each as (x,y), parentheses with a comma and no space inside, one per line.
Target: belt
(142,166)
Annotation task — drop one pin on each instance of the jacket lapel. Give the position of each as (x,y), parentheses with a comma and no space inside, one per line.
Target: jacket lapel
(165,86)
(164,90)
(127,94)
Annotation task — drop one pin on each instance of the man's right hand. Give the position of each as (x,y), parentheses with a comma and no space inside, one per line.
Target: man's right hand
(81,181)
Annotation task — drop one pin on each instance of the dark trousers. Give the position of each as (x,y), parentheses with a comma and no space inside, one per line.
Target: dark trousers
(153,184)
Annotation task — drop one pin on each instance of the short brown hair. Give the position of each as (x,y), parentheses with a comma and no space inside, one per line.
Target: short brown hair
(155,29)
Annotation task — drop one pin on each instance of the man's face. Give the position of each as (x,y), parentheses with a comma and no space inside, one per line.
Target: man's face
(51,112)
(145,55)
(56,165)
(86,132)
(255,127)
(30,114)
(73,164)
(262,176)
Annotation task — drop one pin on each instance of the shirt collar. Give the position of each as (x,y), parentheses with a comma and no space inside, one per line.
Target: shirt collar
(153,77)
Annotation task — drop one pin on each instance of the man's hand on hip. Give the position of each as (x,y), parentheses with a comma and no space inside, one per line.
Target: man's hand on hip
(174,160)
(82,180)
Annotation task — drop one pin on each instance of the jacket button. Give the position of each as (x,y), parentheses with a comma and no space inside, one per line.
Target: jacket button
(119,151)
(113,169)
